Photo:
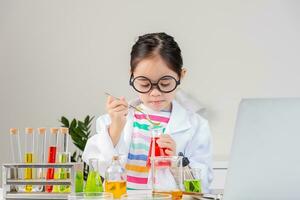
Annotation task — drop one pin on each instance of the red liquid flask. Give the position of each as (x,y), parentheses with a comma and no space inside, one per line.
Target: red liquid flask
(51,157)
(154,149)
(156,152)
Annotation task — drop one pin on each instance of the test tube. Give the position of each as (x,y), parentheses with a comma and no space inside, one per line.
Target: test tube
(63,157)
(16,155)
(28,157)
(40,156)
(63,144)
(51,156)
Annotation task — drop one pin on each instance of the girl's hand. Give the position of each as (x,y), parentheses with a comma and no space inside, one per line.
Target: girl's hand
(117,110)
(165,141)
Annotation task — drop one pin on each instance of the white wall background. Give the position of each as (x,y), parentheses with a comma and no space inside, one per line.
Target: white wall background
(57,57)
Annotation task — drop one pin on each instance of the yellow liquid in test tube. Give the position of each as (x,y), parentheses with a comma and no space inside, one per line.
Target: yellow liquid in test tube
(55,187)
(28,171)
(62,174)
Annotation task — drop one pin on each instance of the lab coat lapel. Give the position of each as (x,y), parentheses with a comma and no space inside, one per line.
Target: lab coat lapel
(123,146)
(128,129)
(178,120)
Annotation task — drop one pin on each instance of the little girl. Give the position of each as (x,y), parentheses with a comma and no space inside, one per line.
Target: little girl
(156,72)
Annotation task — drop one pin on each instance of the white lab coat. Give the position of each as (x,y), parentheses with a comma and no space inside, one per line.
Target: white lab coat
(189,130)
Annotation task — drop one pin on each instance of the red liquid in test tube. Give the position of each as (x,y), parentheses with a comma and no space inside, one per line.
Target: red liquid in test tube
(51,157)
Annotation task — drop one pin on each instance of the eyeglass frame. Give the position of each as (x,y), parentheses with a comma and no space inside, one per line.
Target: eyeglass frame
(131,80)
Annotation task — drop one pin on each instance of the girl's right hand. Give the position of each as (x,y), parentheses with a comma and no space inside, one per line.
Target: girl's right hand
(117,110)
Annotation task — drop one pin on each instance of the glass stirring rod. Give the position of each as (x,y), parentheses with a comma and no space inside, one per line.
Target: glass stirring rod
(139,110)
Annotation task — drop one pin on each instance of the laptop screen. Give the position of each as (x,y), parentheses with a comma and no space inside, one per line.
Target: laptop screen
(265,155)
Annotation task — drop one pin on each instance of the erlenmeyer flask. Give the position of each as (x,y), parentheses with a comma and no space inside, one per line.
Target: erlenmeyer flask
(94,182)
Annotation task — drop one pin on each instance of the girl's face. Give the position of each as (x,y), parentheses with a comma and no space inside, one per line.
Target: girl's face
(154,68)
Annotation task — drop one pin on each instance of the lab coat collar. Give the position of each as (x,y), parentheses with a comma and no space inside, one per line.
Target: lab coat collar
(179,120)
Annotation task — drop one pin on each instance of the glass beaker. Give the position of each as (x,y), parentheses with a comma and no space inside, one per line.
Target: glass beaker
(192,180)
(167,175)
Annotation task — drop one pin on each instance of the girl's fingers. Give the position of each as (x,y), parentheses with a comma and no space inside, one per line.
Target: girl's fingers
(166,138)
(109,100)
(166,141)
(122,98)
(123,112)
(117,103)
(169,152)
(118,111)
(169,146)
(124,101)
(120,108)
(165,145)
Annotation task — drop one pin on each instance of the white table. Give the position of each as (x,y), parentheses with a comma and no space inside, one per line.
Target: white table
(140,191)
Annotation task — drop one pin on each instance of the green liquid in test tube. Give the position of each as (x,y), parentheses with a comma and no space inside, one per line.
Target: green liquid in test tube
(64,173)
(63,157)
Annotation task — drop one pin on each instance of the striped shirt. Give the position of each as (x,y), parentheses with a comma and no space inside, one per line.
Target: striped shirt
(136,166)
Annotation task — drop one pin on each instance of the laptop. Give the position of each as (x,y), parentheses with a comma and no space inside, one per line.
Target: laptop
(265,157)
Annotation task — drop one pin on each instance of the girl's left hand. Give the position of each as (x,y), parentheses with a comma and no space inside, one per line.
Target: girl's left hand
(165,141)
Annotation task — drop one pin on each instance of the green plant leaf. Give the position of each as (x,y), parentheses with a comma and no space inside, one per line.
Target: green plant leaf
(79,146)
(73,124)
(88,134)
(82,126)
(73,157)
(64,121)
(91,119)
(87,119)
(78,131)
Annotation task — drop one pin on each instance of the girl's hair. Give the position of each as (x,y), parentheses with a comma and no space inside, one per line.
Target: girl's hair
(157,44)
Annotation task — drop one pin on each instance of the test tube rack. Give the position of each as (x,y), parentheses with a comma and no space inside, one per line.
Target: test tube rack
(9,183)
